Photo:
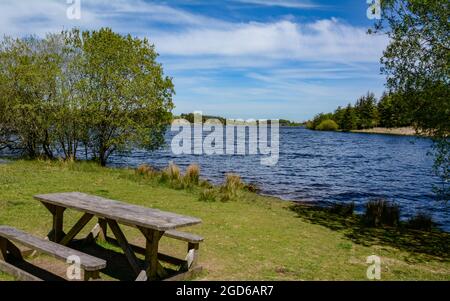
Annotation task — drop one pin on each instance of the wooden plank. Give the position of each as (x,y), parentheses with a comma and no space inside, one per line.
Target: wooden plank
(76,228)
(142,276)
(154,268)
(3,248)
(58,223)
(193,254)
(121,239)
(103,229)
(88,262)
(188,237)
(128,214)
(18,273)
(141,250)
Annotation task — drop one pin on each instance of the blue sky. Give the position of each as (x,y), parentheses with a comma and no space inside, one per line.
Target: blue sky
(237,58)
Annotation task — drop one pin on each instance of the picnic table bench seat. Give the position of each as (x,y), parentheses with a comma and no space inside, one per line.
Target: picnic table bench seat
(9,253)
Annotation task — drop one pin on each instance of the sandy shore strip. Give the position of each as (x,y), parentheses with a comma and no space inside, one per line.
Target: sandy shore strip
(404,131)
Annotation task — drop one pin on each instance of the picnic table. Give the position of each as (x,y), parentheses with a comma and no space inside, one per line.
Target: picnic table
(152,223)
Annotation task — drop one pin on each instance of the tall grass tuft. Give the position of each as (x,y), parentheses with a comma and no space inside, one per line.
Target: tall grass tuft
(146,170)
(192,175)
(230,189)
(172,172)
(381,213)
(207,195)
(421,221)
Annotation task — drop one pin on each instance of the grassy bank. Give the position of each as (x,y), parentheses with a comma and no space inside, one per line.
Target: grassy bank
(255,238)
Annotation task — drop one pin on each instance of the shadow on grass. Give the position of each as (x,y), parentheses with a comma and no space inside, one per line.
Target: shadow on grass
(421,245)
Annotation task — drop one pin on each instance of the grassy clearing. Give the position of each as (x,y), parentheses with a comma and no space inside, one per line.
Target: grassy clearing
(255,238)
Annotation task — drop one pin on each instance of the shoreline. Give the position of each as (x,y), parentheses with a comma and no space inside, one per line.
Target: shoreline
(401,131)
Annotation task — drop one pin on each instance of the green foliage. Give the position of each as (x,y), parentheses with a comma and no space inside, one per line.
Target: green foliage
(192,175)
(420,221)
(93,89)
(327,125)
(208,195)
(366,111)
(349,119)
(342,209)
(392,111)
(382,213)
(312,125)
(416,64)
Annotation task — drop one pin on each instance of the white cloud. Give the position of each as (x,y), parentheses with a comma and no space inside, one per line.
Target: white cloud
(324,40)
(282,3)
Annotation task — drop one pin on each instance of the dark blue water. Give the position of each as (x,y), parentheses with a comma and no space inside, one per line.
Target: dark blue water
(327,167)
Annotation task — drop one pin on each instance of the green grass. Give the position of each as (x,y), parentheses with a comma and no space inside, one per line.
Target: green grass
(255,238)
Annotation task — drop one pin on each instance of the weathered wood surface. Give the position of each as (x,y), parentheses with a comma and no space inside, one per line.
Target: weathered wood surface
(88,262)
(141,250)
(18,273)
(184,236)
(128,214)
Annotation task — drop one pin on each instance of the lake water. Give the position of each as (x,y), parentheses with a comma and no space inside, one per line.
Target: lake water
(327,167)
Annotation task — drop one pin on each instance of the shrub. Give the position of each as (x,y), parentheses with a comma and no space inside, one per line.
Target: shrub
(230,189)
(342,209)
(327,125)
(207,195)
(252,187)
(381,213)
(421,221)
(192,175)
(172,172)
(146,170)
(232,184)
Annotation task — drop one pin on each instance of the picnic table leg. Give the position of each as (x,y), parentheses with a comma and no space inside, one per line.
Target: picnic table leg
(154,269)
(57,232)
(102,235)
(121,239)
(58,219)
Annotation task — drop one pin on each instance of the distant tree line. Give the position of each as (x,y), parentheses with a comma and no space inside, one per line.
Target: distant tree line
(190,117)
(366,113)
(77,93)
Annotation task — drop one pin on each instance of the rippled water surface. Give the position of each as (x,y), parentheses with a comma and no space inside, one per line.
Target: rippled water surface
(327,167)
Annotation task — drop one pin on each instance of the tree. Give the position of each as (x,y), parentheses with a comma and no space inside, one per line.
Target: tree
(95,89)
(27,88)
(349,121)
(127,96)
(338,116)
(416,64)
(366,111)
(327,125)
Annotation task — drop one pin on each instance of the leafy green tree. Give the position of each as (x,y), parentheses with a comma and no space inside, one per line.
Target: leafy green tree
(127,97)
(327,125)
(27,88)
(98,89)
(416,63)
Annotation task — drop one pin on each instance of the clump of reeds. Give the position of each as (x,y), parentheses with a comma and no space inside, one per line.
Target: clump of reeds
(381,213)
(421,221)
(192,175)
(208,195)
(172,172)
(146,170)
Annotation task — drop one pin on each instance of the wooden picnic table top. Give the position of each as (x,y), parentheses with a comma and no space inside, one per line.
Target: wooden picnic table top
(128,214)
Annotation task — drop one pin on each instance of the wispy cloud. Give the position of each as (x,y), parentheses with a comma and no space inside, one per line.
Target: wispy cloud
(283,3)
(324,40)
